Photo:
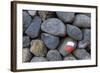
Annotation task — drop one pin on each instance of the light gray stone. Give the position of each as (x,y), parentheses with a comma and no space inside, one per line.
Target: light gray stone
(38,59)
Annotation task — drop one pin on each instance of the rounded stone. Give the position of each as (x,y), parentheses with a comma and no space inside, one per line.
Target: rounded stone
(86,39)
(67,17)
(26,20)
(54,26)
(34,28)
(74,32)
(38,59)
(53,55)
(69,57)
(32,12)
(82,54)
(26,55)
(26,41)
(82,20)
(63,43)
(50,41)
(38,48)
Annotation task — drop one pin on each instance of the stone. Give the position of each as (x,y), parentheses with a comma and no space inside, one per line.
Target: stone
(66,17)
(69,57)
(82,20)
(82,54)
(32,12)
(50,41)
(74,32)
(46,14)
(67,42)
(26,41)
(38,48)
(34,28)
(86,39)
(54,26)
(38,59)
(26,20)
(26,55)
(53,55)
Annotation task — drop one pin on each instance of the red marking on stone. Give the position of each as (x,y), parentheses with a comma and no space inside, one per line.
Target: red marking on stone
(68,48)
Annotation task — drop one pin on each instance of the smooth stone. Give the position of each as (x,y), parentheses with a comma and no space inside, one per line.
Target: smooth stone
(63,43)
(53,55)
(82,20)
(26,41)
(66,17)
(32,12)
(38,48)
(34,28)
(82,54)
(46,14)
(50,41)
(26,20)
(86,39)
(69,57)
(54,26)
(74,32)
(26,55)
(38,59)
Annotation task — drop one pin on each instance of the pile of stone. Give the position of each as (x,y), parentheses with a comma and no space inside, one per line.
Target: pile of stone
(56,36)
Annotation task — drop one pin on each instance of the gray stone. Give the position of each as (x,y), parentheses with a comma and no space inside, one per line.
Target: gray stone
(34,28)
(38,59)
(69,57)
(50,41)
(53,55)
(26,41)
(63,43)
(82,54)
(86,39)
(82,20)
(54,26)
(38,48)
(32,12)
(26,20)
(46,14)
(26,55)
(74,32)
(67,17)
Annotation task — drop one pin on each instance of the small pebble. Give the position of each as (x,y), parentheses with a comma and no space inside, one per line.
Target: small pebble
(50,41)
(32,12)
(54,55)
(69,57)
(38,59)
(26,41)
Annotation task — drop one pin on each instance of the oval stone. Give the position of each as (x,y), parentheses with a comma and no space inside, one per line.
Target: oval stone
(54,26)
(38,59)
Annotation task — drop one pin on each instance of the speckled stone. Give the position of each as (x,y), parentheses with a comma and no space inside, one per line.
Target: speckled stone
(67,17)
(38,59)
(61,48)
(54,26)
(50,41)
(82,54)
(53,55)
(34,28)
(38,48)
(82,20)
(26,20)
(26,55)
(74,32)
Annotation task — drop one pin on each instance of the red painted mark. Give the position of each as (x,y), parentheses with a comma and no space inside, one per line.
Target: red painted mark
(68,48)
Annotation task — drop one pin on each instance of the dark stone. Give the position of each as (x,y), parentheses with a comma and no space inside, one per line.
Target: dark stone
(38,59)
(82,20)
(67,17)
(74,32)
(34,28)
(26,41)
(54,26)
(69,57)
(26,20)
(53,55)
(50,41)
